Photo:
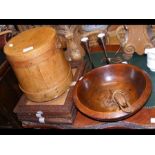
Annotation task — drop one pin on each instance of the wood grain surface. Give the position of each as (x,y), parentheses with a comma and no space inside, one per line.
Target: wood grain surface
(39,65)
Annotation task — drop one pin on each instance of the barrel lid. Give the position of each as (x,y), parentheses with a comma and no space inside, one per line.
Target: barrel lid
(36,40)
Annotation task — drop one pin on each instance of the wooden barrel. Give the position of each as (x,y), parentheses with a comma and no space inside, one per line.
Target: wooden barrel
(39,64)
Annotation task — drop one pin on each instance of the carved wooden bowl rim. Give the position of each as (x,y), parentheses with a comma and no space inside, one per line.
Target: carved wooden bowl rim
(118,115)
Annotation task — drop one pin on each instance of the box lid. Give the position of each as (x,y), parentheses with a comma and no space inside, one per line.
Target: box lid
(31,43)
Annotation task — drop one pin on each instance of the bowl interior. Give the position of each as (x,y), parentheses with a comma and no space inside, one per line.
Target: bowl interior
(95,89)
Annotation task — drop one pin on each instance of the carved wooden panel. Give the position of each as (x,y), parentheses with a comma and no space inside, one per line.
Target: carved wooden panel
(134,38)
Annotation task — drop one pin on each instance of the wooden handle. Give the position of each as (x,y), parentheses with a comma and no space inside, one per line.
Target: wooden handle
(4,37)
(6,32)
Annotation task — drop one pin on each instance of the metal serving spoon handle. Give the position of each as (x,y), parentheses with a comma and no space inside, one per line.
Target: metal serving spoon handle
(85,44)
(101,39)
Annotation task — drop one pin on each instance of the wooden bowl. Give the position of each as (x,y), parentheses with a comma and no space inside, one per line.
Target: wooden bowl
(92,91)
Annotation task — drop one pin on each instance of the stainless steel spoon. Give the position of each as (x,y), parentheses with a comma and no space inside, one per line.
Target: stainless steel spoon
(85,44)
(101,40)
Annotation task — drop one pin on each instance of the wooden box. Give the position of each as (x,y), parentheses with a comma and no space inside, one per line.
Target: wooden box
(57,111)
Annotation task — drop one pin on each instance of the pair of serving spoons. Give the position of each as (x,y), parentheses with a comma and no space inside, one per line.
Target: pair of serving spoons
(101,40)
